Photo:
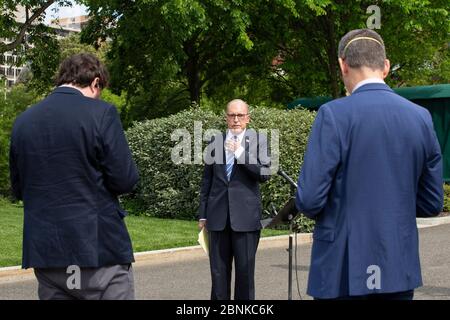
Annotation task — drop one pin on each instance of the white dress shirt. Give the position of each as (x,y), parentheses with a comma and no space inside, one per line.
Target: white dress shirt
(239,150)
(367,81)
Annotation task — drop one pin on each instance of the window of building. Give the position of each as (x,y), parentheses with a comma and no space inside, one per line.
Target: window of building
(10,72)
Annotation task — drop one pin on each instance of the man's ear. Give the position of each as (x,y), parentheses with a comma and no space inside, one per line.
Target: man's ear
(387,67)
(95,83)
(343,66)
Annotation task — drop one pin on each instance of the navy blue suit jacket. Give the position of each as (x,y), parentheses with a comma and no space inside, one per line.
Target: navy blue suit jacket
(240,198)
(372,164)
(69,161)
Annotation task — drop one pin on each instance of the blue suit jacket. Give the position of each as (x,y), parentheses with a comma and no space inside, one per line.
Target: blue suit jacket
(69,160)
(372,164)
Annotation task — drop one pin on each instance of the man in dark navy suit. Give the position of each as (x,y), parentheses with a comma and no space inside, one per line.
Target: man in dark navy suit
(230,203)
(69,161)
(372,164)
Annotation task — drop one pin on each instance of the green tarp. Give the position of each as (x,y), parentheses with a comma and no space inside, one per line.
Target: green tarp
(440,112)
(425,92)
(435,98)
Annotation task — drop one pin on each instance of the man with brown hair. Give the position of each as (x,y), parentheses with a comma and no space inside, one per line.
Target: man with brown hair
(69,161)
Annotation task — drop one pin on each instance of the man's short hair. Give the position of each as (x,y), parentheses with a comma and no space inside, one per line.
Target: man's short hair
(362,48)
(80,70)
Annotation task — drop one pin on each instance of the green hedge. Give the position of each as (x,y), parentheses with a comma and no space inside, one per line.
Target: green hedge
(172,191)
(12,103)
(446,198)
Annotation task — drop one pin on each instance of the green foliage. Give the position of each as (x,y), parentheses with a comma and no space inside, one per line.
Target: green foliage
(166,189)
(424,25)
(435,71)
(16,29)
(72,45)
(446,198)
(309,44)
(43,60)
(172,190)
(118,101)
(166,54)
(163,98)
(11,234)
(294,127)
(48,53)
(12,103)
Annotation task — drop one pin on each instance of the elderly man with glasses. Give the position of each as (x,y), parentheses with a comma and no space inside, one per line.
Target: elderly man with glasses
(230,205)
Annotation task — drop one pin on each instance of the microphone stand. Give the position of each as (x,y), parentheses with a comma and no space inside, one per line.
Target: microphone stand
(291,235)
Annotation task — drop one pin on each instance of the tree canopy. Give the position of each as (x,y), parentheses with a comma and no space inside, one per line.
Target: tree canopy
(16,30)
(167,55)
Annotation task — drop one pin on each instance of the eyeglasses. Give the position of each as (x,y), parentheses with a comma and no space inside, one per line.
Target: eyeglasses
(239,115)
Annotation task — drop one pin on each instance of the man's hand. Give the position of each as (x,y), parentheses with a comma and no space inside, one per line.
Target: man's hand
(231,145)
(201,224)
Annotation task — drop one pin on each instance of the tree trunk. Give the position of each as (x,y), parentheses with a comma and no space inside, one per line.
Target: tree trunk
(332,54)
(193,73)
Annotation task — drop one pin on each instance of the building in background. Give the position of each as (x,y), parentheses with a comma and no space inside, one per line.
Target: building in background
(73,23)
(9,71)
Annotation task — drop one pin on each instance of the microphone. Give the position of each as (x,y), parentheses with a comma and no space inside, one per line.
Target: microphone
(287,178)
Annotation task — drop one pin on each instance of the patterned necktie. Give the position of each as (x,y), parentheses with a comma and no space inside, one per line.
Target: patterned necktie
(230,163)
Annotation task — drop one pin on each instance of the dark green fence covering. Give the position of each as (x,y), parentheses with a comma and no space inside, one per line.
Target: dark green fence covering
(434,98)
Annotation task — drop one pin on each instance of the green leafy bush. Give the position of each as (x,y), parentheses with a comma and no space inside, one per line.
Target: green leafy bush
(172,190)
(446,198)
(12,103)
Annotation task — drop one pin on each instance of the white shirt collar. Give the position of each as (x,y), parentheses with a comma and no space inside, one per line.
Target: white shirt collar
(239,136)
(367,81)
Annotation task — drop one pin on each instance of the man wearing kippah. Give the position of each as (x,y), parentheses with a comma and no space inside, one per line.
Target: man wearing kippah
(372,164)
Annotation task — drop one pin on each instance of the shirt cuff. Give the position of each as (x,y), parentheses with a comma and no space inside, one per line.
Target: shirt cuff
(238,152)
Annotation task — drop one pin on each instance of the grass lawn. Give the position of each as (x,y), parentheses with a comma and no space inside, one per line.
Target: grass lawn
(146,233)
(11,220)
